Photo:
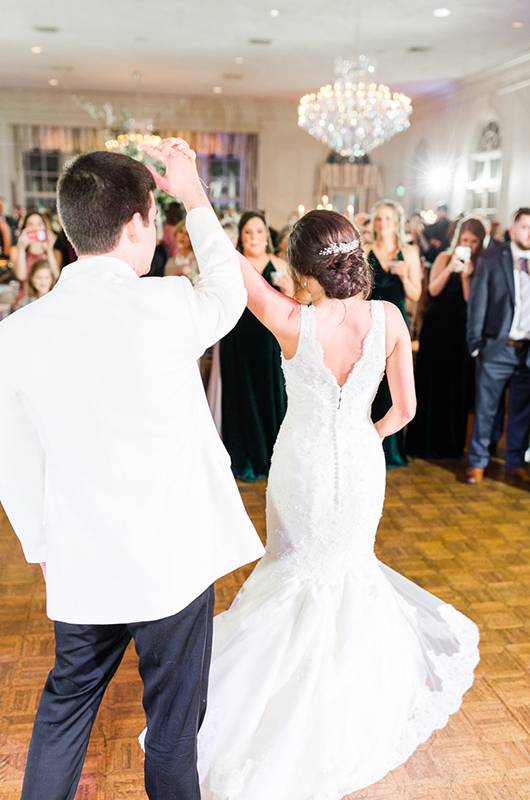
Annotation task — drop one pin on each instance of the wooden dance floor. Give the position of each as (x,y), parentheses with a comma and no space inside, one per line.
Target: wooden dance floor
(468,545)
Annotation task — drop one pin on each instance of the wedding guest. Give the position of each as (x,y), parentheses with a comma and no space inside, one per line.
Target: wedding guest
(397,275)
(64,251)
(232,231)
(9,287)
(496,235)
(174,214)
(498,337)
(438,235)
(35,243)
(19,212)
(7,230)
(15,220)
(253,389)
(184,261)
(40,281)
(363,223)
(415,230)
(230,214)
(283,240)
(158,262)
(443,371)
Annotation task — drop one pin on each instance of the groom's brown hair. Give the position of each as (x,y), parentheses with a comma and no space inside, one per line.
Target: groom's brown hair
(97,194)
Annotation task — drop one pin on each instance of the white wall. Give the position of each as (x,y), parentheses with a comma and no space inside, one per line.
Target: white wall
(289,158)
(451,127)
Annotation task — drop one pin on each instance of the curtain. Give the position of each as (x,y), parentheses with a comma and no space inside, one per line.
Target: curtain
(57,137)
(71,140)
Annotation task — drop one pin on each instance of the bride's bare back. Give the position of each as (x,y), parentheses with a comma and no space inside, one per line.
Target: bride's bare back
(341,327)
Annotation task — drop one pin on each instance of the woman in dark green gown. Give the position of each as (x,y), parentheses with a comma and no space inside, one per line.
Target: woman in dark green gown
(253,391)
(396,276)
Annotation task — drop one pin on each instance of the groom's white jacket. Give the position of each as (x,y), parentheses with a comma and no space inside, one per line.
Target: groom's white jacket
(111,469)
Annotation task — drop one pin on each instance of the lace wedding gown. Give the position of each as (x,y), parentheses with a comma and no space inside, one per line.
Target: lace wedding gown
(330,668)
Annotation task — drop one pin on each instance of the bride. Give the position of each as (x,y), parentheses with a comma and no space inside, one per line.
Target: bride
(330,668)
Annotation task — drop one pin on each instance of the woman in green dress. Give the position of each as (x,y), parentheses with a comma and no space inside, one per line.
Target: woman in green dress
(397,277)
(253,390)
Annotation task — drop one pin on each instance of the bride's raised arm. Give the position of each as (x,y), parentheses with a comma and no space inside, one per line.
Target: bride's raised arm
(279,313)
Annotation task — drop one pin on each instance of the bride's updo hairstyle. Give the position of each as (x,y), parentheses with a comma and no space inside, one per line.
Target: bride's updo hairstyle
(324,245)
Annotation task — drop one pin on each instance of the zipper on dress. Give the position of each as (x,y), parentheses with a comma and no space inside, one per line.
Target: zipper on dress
(340,398)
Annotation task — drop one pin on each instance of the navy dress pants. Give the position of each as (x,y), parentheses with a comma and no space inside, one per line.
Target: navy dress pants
(498,366)
(174,660)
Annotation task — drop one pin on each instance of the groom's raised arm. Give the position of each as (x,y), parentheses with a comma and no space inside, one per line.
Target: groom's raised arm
(219,296)
(22,475)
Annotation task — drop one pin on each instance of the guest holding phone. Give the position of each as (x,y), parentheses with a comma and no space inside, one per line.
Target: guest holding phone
(397,278)
(443,373)
(35,243)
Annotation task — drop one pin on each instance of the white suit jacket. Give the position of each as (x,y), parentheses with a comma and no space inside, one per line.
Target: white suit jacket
(111,469)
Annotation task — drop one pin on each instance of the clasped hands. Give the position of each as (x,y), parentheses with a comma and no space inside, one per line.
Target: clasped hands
(181,179)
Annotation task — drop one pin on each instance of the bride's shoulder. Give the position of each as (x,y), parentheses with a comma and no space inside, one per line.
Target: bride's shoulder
(392,313)
(395,326)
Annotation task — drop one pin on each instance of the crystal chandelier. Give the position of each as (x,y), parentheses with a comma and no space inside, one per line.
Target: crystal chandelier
(354,115)
(131,143)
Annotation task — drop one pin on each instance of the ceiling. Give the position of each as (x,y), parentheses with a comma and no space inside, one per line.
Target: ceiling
(190,47)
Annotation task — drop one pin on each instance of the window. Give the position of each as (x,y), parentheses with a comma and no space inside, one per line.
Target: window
(41,173)
(486,172)
(222,174)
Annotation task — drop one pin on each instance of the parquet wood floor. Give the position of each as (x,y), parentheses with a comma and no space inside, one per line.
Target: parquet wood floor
(468,545)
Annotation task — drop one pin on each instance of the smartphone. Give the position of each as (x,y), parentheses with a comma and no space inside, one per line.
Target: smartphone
(463,253)
(37,234)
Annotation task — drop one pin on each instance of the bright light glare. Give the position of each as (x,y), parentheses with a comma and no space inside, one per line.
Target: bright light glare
(438,178)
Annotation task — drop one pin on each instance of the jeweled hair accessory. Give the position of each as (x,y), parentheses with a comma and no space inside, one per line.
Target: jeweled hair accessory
(340,247)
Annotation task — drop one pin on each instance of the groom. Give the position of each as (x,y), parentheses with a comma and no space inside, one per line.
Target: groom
(111,470)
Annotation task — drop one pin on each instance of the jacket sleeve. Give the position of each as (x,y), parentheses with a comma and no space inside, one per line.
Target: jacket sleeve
(22,475)
(219,297)
(477,307)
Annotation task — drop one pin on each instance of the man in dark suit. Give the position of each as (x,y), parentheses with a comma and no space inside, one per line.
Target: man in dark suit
(498,336)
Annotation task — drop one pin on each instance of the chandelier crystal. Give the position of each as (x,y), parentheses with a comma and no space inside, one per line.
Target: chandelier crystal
(354,115)
(125,142)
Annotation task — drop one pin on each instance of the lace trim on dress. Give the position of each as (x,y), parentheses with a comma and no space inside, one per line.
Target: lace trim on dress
(429,713)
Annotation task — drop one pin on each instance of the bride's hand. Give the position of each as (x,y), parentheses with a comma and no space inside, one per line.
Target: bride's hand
(181,179)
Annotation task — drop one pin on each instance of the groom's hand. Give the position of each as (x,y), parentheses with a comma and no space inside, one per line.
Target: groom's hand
(181,179)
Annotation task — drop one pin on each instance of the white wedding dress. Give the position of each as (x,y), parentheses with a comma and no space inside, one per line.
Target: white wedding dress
(330,668)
